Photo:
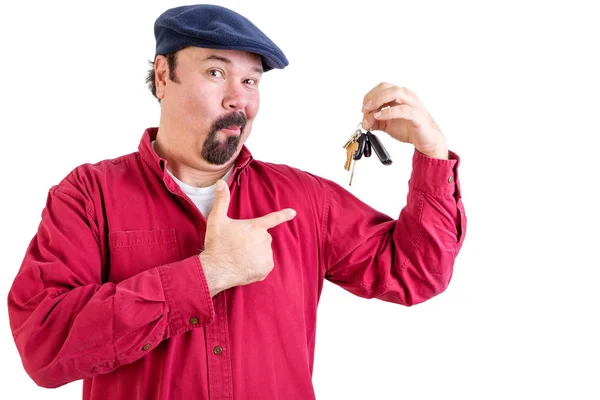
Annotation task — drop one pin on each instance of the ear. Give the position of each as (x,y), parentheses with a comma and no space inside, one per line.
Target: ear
(161,74)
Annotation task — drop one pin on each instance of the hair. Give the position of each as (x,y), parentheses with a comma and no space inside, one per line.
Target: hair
(151,77)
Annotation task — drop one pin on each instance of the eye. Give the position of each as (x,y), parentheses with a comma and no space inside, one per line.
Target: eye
(215,73)
(252,81)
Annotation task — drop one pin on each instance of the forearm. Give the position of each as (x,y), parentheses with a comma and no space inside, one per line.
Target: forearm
(438,224)
(65,334)
(404,261)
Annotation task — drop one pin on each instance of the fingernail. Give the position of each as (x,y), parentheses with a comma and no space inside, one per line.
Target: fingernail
(377,114)
(292,213)
(367,105)
(365,124)
(220,186)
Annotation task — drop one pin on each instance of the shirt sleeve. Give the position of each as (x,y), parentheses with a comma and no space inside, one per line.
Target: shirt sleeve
(68,325)
(404,261)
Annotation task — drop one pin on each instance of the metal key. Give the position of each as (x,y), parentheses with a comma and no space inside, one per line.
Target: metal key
(350,150)
(355,136)
(352,173)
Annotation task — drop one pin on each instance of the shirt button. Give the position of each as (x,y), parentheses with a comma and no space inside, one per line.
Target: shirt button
(146,347)
(450,179)
(218,350)
(194,321)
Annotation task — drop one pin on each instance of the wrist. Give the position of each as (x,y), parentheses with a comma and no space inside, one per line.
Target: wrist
(213,272)
(440,152)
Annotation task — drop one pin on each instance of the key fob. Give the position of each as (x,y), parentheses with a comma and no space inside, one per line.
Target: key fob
(381,152)
(367,146)
(361,147)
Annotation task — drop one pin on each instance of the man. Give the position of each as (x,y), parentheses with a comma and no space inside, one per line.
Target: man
(188,269)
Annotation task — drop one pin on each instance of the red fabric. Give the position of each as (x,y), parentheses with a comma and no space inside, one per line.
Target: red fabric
(111,289)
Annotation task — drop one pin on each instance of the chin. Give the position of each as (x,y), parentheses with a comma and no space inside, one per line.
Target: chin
(219,153)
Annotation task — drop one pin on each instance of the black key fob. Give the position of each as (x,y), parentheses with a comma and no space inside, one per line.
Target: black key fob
(381,152)
(361,147)
(367,146)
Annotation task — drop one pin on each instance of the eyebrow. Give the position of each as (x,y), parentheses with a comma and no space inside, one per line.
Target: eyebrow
(228,61)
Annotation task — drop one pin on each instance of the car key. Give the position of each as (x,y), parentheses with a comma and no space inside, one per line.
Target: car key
(361,146)
(381,152)
(367,152)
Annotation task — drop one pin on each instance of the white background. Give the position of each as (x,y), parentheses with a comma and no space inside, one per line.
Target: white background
(513,85)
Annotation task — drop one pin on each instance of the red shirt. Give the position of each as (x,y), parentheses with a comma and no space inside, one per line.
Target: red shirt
(111,289)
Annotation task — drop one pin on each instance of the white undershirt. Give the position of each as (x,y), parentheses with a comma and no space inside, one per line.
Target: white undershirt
(202,197)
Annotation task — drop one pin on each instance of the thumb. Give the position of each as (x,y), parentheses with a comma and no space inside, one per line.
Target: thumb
(222,198)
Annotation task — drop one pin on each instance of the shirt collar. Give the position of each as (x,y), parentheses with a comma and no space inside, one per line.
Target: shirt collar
(157,164)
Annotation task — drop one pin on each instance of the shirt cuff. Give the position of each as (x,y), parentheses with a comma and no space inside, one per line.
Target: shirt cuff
(435,175)
(187,295)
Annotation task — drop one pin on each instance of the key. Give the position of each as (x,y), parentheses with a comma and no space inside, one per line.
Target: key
(381,152)
(367,146)
(361,147)
(358,154)
(350,149)
(355,136)
(352,173)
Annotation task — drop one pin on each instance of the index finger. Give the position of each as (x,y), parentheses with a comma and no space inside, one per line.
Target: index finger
(275,218)
(386,94)
(368,99)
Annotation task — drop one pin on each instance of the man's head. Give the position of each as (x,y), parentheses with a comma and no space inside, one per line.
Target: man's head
(208,64)
(208,91)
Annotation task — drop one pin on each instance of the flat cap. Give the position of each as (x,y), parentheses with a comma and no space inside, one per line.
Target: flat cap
(216,27)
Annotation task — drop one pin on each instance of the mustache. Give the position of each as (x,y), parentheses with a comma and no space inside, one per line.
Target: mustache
(235,118)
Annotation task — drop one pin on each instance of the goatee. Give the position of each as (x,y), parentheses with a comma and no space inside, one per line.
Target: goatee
(216,152)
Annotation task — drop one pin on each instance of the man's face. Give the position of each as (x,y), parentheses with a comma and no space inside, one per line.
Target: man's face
(209,113)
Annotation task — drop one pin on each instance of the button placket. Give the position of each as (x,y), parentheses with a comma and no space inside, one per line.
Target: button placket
(217,344)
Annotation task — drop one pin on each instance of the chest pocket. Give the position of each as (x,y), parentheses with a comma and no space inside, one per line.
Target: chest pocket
(132,252)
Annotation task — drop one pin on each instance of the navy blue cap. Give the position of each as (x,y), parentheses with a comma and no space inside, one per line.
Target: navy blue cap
(215,27)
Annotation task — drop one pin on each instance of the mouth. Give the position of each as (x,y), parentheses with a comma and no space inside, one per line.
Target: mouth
(232,130)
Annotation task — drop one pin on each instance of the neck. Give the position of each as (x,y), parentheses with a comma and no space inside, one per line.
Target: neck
(197,174)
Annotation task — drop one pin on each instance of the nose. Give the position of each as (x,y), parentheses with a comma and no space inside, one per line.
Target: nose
(235,99)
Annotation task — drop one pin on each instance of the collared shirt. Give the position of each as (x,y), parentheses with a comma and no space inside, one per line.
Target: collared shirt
(111,289)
